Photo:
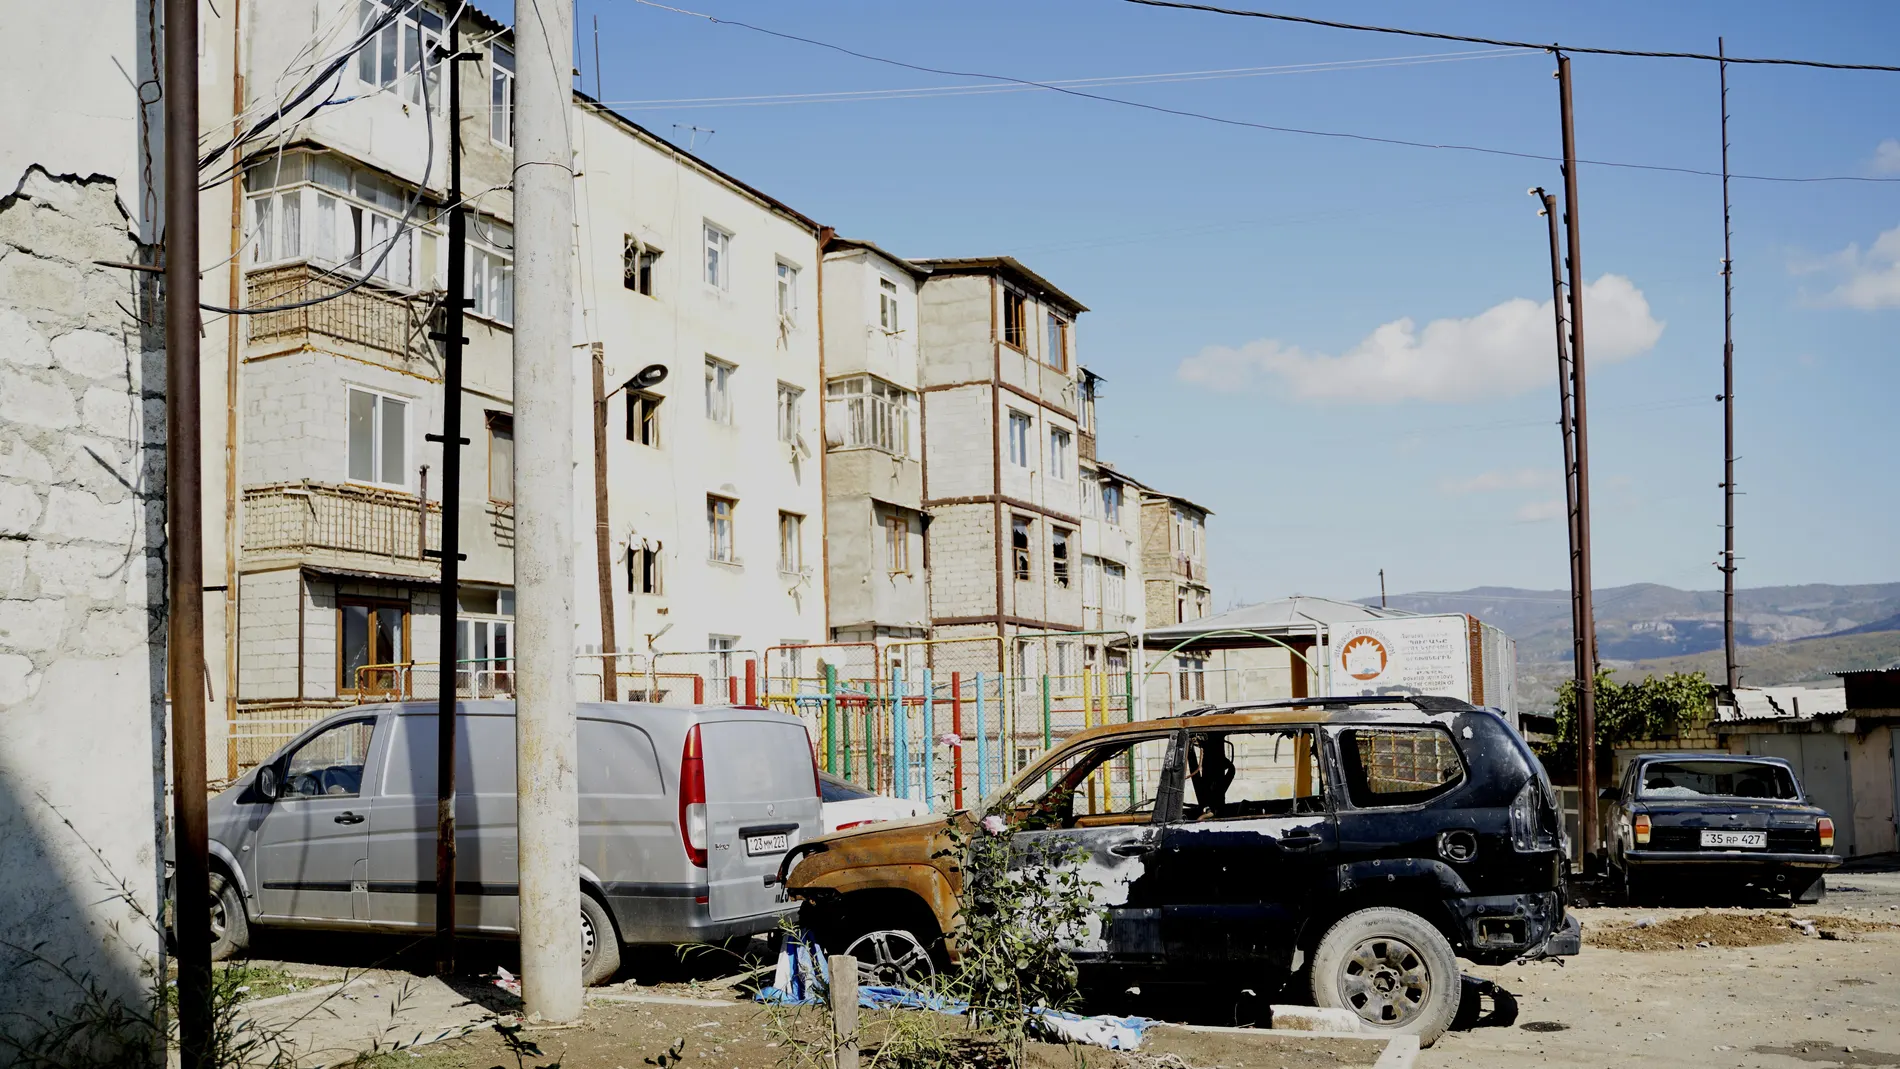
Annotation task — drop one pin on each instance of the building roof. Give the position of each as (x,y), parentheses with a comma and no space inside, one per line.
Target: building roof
(1009,266)
(916,270)
(1296,615)
(1784,703)
(1177,499)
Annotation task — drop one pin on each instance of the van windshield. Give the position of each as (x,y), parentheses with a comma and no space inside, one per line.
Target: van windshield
(1718,779)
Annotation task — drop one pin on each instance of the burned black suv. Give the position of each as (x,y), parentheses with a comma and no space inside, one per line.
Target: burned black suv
(1364,843)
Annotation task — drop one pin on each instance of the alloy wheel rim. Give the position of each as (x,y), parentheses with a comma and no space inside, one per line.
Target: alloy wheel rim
(1385,981)
(889,957)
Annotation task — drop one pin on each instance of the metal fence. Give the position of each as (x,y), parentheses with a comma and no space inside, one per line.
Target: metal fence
(305,517)
(372,316)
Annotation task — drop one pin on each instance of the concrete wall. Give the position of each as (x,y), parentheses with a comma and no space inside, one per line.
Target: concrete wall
(82,710)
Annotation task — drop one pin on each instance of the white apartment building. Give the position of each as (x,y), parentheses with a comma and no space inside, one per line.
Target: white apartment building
(717,512)
(877,563)
(1111,545)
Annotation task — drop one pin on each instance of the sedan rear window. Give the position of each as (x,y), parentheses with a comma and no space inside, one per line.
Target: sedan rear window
(1717,779)
(1398,766)
(833,789)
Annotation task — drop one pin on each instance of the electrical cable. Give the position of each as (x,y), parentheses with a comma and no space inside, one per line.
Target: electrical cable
(1183,113)
(1547,46)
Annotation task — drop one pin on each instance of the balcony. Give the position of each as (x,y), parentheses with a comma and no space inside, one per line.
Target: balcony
(373,321)
(353,527)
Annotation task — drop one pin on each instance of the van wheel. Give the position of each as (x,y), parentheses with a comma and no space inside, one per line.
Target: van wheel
(600,944)
(1393,969)
(230,928)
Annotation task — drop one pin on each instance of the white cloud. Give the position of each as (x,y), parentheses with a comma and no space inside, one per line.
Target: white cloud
(1868,280)
(1503,479)
(1539,511)
(1886,157)
(1505,350)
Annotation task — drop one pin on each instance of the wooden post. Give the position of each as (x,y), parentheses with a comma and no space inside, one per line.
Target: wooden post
(844,1010)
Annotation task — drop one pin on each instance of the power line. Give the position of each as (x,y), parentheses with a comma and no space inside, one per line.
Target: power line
(1549,46)
(1304,131)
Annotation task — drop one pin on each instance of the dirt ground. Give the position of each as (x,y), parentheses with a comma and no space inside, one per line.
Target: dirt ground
(1761,994)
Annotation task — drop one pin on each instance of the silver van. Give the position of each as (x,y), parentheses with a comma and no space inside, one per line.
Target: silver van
(684,813)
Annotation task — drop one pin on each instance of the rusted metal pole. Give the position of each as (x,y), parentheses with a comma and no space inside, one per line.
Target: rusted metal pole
(1732,671)
(1586,610)
(184,543)
(447,654)
(603,541)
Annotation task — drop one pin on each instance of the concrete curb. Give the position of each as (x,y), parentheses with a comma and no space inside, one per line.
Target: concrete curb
(662,1000)
(1400,1051)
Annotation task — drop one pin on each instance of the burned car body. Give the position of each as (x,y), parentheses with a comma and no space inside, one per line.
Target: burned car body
(1367,840)
(1720,817)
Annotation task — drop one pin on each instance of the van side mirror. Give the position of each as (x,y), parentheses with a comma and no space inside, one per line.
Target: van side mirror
(1611,794)
(268,785)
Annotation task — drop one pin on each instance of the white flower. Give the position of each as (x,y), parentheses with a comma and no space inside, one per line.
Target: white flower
(994,824)
(949,738)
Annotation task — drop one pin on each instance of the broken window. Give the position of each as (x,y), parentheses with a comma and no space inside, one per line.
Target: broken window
(643,418)
(1059,555)
(791,542)
(643,570)
(501,457)
(1111,783)
(1015,315)
(719,528)
(1019,545)
(1398,766)
(788,397)
(719,390)
(373,645)
(1056,352)
(636,265)
(1235,775)
(787,292)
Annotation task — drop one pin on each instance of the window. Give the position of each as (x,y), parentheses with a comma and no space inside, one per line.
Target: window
(373,640)
(643,418)
(872,414)
(1061,452)
(1093,786)
(1114,587)
(1085,410)
(1026,756)
(1015,312)
(643,570)
(1193,677)
(719,391)
(1180,604)
(1091,582)
(1056,355)
(393,57)
(484,648)
(1091,496)
(1398,766)
(379,439)
(1235,775)
(277,227)
(788,396)
(1177,534)
(1112,503)
(636,264)
(791,542)
(720,666)
(719,529)
(887,316)
(330,764)
(789,666)
(1059,555)
(1019,545)
(1019,439)
(319,207)
(501,94)
(501,457)
(1028,661)
(787,292)
(491,269)
(718,258)
(896,545)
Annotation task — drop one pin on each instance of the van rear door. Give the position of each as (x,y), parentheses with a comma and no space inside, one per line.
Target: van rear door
(761,800)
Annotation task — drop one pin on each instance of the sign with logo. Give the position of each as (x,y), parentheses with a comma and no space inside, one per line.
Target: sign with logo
(1404,655)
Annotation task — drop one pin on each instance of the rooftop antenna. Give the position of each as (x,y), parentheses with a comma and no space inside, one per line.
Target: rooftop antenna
(693,137)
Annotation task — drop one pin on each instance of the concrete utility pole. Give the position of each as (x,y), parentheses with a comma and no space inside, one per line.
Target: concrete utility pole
(184,540)
(1586,637)
(546,793)
(1733,673)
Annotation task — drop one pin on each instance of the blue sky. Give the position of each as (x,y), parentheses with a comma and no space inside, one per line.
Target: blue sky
(1229,269)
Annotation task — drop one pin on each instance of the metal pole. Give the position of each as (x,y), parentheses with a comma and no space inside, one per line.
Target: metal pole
(930,744)
(831,722)
(956,728)
(1586,611)
(448,656)
(982,744)
(184,548)
(544,513)
(603,542)
(1733,672)
(1566,420)
(1382,588)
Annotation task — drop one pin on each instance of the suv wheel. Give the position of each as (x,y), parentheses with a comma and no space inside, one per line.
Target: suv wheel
(1393,969)
(891,957)
(600,945)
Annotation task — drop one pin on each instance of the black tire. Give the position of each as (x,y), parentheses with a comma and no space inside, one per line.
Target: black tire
(1810,894)
(230,927)
(600,943)
(1393,969)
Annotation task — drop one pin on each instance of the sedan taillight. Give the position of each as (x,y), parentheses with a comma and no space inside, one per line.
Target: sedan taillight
(1826,827)
(1640,826)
